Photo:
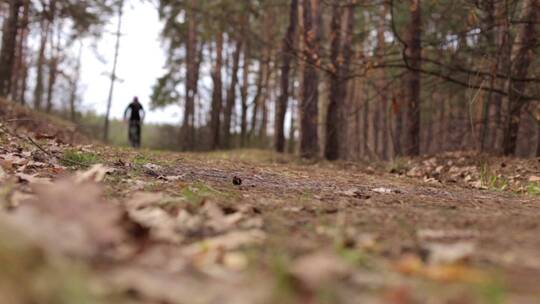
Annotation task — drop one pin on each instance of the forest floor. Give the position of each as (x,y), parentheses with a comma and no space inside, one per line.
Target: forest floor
(88,223)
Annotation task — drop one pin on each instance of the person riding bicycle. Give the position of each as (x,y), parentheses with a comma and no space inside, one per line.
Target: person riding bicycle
(136,115)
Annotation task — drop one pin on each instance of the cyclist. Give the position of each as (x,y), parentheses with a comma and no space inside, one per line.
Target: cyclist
(136,114)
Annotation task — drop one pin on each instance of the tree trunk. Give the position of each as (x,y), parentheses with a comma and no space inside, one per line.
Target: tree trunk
(413,54)
(292,129)
(441,131)
(200,58)
(490,42)
(376,119)
(355,102)
(538,139)
(504,44)
(231,95)
(331,151)
(521,59)
(266,97)
(217,94)
(498,38)
(74,90)
(365,124)
(113,74)
(53,70)
(186,133)
(398,128)
(38,90)
(244,93)
(342,21)
(20,75)
(9,41)
(257,98)
(281,104)
(309,108)
(53,73)
(382,85)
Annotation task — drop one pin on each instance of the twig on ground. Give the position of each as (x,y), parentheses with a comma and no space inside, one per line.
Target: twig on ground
(34,143)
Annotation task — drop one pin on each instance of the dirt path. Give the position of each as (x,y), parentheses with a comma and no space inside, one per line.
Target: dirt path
(180,231)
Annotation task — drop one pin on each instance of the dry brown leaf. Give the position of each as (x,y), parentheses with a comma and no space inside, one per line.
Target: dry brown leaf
(14,160)
(143,208)
(356,193)
(445,235)
(384,190)
(236,261)
(173,178)
(158,286)
(18,197)
(534,178)
(33,179)
(230,241)
(413,266)
(70,218)
(143,200)
(95,174)
(3,174)
(450,253)
(319,268)
(478,185)
(162,226)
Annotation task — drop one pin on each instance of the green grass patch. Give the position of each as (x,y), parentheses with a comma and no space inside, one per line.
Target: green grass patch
(28,275)
(493,291)
(141,159)
(356,257)
(491,180)
(533,189)
(285,284)
(398,166)
(197,192)
(79,159)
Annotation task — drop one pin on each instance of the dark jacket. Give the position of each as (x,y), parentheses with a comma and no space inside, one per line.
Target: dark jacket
(135,111)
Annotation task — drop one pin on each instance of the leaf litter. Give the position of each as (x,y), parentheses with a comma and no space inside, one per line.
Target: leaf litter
(164,246)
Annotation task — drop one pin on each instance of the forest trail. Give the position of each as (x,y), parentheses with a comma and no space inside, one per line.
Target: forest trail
(144,226)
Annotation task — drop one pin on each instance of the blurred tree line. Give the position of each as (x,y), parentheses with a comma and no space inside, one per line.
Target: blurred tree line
(153,136)
(340,79)
(41,48)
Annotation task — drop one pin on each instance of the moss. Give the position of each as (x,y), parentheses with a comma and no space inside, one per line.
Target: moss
(197,192)
(141,159)
(29,275)
(533,189)
(491,180)
(79,159)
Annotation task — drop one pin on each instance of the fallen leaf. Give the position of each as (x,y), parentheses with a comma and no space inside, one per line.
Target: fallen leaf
(314,270)
(230,241)
(383,190)
(3,175)
(450,253)
(143,200)
(70,218)
(33,179)
(18,197)
(356,193)
(412,265)
(415,172)
(152,170)
(161,225)
(534,178)
(445,235)
(478,185)
(95,174)
(236,261)
(173,178)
